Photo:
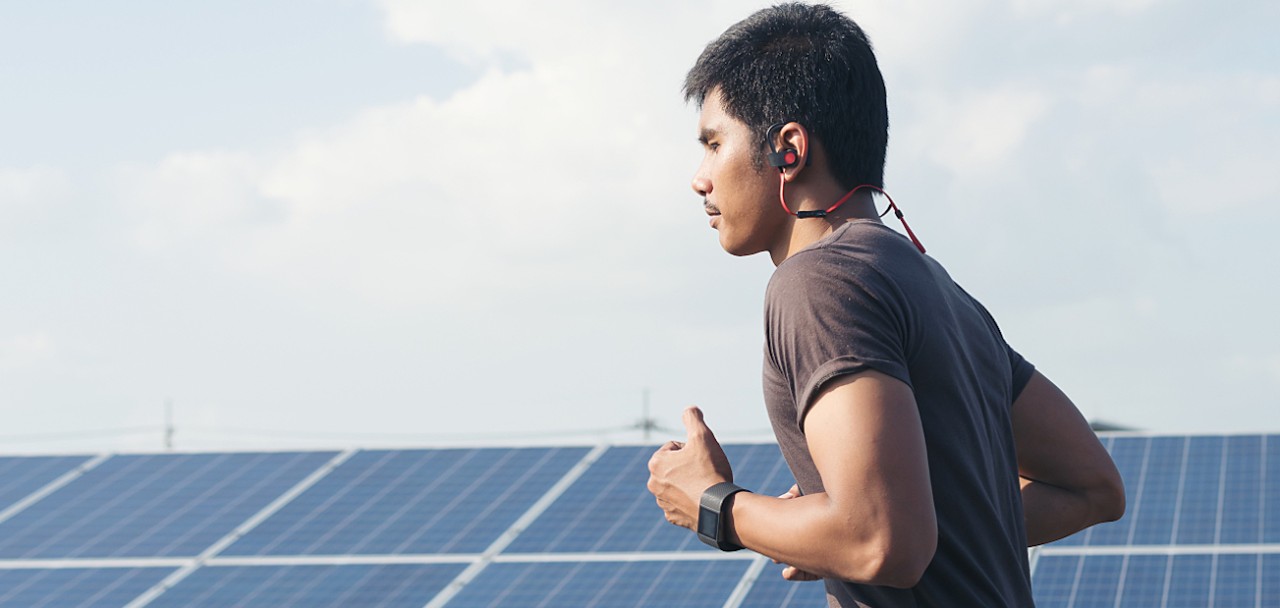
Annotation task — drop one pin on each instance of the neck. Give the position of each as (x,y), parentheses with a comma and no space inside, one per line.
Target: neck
(800,233)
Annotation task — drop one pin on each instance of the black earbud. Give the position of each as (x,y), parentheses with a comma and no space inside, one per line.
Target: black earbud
(788,157)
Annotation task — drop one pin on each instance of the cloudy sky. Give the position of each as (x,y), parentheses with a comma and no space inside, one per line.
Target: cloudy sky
(348,222)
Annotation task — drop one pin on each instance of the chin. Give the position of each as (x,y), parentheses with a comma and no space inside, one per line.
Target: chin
(739,248)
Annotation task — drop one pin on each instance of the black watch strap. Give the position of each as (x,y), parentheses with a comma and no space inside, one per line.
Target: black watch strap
(713,515)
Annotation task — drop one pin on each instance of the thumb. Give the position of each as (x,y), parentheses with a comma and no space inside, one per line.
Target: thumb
(695,427)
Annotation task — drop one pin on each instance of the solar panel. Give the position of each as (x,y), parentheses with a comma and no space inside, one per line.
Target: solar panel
(671,584)
(19,477)
(610,509)
(81,587)
(569,526)
(269,586)
(412,501)
(152,505)
(770,590)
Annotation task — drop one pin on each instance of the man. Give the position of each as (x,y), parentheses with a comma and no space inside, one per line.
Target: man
(928,454)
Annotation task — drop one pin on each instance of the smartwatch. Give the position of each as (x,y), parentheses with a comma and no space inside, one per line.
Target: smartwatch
(713,516)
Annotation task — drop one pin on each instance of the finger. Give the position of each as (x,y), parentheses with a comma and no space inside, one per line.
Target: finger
(695,427)
(670,446)
(793,573)
(792,493)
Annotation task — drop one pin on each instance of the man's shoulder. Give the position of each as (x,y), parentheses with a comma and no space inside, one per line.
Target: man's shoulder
(858,255)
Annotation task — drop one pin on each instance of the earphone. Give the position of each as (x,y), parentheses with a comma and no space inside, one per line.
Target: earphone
(790,157)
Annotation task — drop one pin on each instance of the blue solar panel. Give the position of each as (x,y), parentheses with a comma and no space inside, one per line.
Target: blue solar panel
(1219,494)
(76,587)
(669,584)
(1197,524)
(1270,581)
(22,476)
(1228,579)
(153,505)
(1188,585)
(770,590)
(412,501)
(1153,514)
(1242,493)
(385,585)
(1236,584)
(1143,582)
(1200,490)
(1271,491)
(609,509)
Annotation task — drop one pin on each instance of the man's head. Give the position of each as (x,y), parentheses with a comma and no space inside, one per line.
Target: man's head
(807,64)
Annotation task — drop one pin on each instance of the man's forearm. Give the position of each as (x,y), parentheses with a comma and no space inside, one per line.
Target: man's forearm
(834,541)
(1052,512)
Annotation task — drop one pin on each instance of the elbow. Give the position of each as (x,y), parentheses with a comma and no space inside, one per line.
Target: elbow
(893,560)
(1107,499)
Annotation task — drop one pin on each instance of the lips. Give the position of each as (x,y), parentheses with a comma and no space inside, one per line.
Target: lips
(711,211)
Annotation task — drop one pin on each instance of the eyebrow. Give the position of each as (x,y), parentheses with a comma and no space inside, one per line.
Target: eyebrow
(707,135)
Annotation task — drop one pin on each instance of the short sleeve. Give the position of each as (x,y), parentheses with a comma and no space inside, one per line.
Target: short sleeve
(825,319)
(1021,371)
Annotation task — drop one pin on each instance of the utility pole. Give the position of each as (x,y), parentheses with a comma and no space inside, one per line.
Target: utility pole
(168,425)
(647,423)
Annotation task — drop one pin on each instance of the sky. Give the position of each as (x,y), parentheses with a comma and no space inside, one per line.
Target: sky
(422,223)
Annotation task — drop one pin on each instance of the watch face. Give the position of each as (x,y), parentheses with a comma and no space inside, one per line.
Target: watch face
(708,523)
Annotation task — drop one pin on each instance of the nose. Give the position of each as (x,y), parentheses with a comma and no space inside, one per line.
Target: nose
(701,185)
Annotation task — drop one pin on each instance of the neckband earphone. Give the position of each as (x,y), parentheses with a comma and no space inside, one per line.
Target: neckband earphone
(790,157)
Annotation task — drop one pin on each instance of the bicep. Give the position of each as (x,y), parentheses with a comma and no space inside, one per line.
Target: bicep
(867,442)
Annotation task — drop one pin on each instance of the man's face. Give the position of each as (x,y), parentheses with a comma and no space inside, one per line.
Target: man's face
(740,197)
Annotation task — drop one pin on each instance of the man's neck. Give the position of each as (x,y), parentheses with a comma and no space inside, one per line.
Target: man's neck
(803,232)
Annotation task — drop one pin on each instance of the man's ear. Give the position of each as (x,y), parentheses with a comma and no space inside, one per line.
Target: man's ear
(793,136)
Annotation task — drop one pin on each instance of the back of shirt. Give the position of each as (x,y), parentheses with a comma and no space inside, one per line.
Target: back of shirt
(863,299)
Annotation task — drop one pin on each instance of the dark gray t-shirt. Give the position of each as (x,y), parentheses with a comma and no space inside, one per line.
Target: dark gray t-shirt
(864,298)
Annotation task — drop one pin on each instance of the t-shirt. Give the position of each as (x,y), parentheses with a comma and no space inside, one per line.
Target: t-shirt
(864,298)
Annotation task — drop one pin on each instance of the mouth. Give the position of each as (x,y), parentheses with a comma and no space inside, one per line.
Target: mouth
(711,210)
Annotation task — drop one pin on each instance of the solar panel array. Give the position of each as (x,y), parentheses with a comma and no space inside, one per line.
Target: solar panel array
(1202,528)
(566,526)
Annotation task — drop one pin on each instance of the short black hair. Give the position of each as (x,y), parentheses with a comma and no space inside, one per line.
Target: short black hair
(808,64)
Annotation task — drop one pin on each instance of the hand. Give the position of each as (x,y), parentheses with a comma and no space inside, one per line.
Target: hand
(680,472)
(793,573)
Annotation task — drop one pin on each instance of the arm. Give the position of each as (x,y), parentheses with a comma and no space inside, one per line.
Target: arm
(1068,480)
(874,524)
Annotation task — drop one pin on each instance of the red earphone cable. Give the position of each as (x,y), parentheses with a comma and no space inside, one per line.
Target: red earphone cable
(782,183)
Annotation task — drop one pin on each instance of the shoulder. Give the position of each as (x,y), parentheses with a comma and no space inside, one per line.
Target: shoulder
(858,258)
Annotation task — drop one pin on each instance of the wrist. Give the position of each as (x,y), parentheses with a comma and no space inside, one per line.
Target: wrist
(715,508)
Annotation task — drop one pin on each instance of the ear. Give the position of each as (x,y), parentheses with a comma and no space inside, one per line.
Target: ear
(794,136)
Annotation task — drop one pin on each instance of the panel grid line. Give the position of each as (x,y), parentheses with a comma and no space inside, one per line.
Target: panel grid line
(470,572)
(52,487)
(1262,518)
(745,583)
(194,564)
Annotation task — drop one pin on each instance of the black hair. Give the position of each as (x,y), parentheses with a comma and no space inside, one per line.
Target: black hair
(808,64)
